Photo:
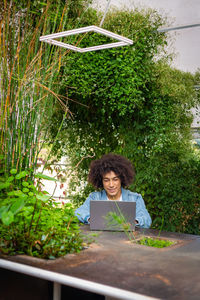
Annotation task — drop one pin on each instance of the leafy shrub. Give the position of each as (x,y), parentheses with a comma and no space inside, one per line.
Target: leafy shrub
(153,242)
(32,223)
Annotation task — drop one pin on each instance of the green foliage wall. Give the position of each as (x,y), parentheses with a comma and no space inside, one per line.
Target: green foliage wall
(129,100)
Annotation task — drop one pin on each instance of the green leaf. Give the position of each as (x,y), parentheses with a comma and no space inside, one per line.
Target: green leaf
(31,186)
(4,185)
(27,210)
(18,193)
(21,175)
(17,206)
(13,171)
(3,209)
(7,217)
(43,176)
(23,196)
(10,179)
(43,197)
(12,193)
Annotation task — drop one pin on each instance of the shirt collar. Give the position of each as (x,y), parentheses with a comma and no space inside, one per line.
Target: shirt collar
(104,196)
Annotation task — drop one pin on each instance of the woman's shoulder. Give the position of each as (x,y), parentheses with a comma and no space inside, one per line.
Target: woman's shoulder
(97,195)
(132,195)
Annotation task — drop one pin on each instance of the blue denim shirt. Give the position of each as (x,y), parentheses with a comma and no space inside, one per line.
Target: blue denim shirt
(142,215)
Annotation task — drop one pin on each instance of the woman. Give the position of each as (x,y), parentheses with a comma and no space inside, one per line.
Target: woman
(112,173)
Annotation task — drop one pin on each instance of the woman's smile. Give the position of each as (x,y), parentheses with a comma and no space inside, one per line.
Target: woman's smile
(112,185)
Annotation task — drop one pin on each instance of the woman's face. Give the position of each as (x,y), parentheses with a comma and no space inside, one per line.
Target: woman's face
(112,185)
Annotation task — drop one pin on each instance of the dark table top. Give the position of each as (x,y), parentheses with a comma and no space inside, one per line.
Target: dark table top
(167,273)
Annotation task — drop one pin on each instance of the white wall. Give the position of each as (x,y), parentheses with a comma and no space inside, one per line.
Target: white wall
(179,12)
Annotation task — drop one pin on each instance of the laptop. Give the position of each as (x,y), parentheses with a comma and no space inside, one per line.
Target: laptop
(112,215)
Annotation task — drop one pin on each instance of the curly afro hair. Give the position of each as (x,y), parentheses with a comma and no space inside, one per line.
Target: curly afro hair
(121,166)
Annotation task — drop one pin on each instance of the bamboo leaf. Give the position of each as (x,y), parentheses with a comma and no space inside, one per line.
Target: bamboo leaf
(43,176)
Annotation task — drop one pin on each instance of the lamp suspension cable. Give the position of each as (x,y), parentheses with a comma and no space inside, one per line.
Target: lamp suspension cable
(106,10)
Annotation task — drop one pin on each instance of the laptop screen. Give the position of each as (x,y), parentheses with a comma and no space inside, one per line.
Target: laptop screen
(112,215)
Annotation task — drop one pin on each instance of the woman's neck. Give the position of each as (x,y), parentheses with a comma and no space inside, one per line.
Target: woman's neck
(115,197)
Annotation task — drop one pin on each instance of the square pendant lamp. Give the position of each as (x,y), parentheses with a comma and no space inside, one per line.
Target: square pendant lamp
(121,41)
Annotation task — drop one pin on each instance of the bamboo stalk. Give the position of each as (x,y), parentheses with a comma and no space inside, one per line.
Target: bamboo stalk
(30,83)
